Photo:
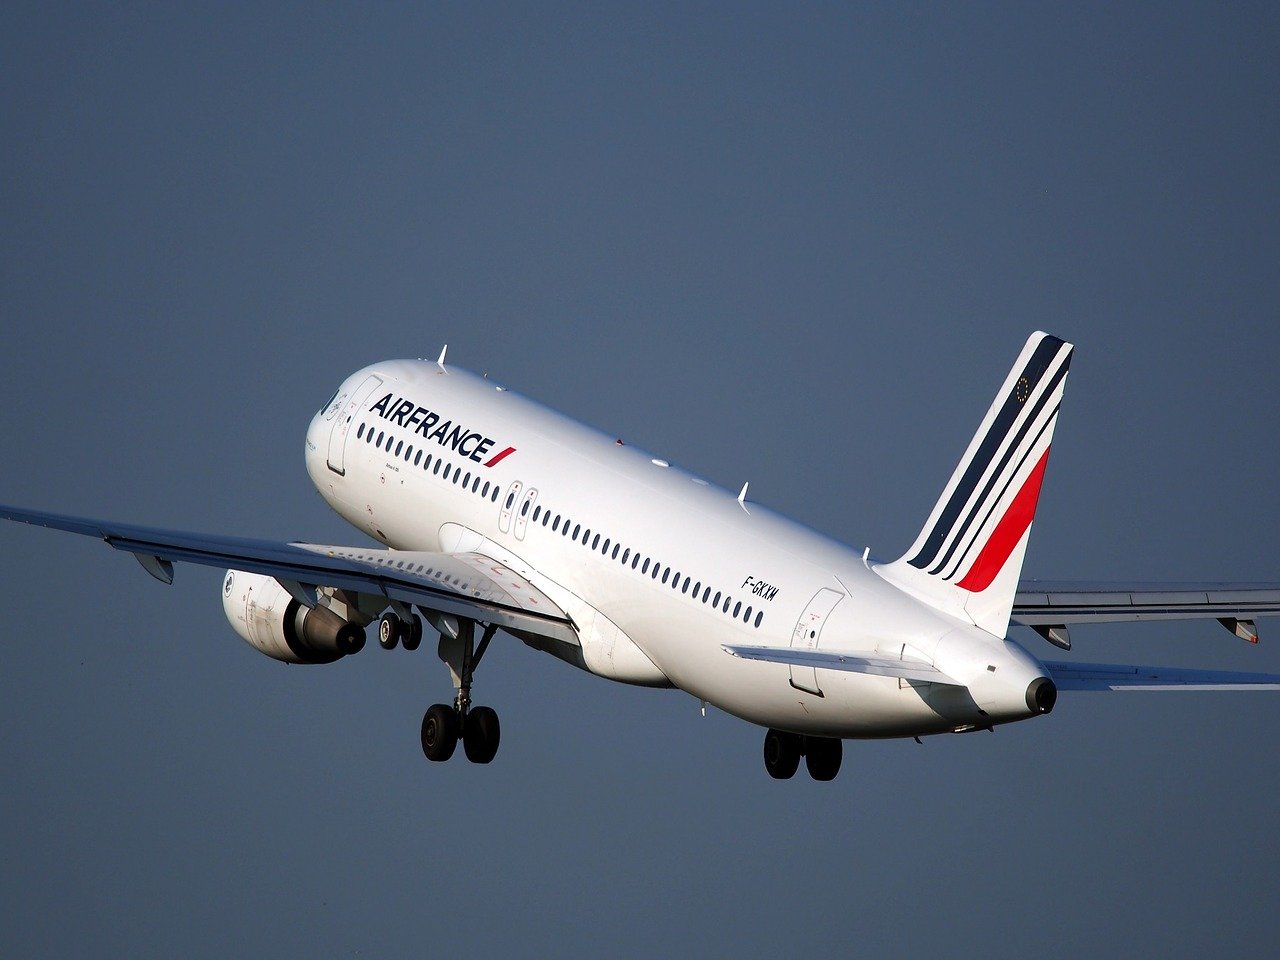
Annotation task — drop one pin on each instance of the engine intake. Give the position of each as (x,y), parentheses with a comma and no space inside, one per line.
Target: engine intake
(274,623)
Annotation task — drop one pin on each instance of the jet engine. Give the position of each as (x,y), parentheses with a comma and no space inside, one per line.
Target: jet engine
(275,623)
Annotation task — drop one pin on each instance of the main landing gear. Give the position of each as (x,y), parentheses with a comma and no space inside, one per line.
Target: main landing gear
(782,753)
(444,725)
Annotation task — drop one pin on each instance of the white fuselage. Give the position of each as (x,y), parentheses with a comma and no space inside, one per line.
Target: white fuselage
(711,570)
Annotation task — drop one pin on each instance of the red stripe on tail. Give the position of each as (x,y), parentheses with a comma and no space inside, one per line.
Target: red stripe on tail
(1007,532)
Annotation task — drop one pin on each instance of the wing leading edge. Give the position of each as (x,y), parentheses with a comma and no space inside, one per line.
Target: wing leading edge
(465,585)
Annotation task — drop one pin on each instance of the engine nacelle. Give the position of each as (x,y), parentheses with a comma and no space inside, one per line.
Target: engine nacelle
(276,624)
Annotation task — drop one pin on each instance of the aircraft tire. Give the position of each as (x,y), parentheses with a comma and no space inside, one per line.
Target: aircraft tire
(439,732)
(781,754)
(389,631)
(412,637)
(481,734)
(822,757)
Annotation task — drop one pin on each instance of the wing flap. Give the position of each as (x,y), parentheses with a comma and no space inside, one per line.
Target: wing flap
(1123,676)
(847,661)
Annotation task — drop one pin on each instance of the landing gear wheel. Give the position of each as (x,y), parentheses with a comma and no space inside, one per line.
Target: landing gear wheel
(781,754)
(439,732)
(480,734)
(389,631)
(822,757)
(411,639)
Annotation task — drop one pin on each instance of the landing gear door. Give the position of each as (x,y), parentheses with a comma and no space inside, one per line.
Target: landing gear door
(342,424)
(808,632)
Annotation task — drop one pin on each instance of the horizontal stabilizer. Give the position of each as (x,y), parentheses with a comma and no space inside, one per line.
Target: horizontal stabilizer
(1122,676)
(871,663)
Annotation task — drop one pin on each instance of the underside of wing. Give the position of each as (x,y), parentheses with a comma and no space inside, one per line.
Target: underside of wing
(468,585)
(1048,607)
(1120,676)
(849,662)
(1041,602)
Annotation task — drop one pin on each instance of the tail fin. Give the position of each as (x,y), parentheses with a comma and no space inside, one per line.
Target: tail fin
(968,558)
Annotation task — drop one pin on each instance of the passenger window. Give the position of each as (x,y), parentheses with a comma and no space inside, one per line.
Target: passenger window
(577,529)
(436,468)
(716,602)
(466,479)
(746,617)
(360,432)
(666,572)
(417,459)
(511,498)
(626,555)
(380,436)
(537,512)
(737,608)
(524,509)
(615,551)
(685,587)
(759,617)
(726,605)
(408,453)
(399,447)
(485,491)
(645,568)
(596,542)
(494,496)
(635,561)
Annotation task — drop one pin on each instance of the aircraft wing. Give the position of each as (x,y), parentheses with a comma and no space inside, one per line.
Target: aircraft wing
(848,661)
(1050,602)
(464,584)
(1049,606)
(1120,676)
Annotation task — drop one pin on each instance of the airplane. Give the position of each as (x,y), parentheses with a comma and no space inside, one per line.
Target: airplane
(494,513)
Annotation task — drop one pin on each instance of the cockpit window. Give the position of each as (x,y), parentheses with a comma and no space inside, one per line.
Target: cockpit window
(330,408)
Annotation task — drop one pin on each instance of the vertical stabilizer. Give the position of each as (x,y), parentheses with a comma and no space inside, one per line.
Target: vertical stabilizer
(967,559)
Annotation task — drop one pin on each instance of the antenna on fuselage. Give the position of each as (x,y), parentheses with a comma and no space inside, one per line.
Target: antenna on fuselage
(443,351)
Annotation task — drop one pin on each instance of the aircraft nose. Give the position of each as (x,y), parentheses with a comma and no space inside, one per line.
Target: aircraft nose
(1042,694)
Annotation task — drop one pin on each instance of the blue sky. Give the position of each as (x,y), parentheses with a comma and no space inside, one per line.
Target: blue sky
(797,247)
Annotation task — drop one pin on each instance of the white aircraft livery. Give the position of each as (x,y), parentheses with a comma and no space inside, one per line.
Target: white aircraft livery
(494,513)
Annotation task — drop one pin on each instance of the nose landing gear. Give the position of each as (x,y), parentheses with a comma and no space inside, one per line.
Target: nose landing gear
(393,630)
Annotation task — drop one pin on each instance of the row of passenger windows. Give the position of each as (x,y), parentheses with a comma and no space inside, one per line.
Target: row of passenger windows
(433,464)
(645,566)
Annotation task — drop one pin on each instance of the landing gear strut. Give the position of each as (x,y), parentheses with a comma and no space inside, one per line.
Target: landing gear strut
(782,752)
(477,726)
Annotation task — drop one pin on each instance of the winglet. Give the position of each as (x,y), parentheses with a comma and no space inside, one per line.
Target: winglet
(440,360)
(968,556)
